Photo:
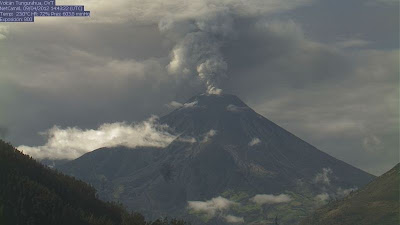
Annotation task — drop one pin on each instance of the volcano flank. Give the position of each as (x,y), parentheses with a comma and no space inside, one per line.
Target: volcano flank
(225,156)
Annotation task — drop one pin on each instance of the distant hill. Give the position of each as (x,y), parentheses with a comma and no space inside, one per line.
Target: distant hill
(225,153)
(32,194)
(375,204)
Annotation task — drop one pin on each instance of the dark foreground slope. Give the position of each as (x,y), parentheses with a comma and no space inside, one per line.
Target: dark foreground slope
(33,194)
(224,149)
(377,203)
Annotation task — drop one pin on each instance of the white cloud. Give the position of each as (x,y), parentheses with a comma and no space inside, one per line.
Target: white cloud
(71,143)
(211,207)
(323,177)
(254,141)
(232,108)
(174,105)
(322,197)
(209,135)
(187,139)
(340,193)
(190,104)
(214,91)
(233,219)
(262,199)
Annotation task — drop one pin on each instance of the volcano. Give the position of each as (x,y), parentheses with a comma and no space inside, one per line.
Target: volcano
(225,155)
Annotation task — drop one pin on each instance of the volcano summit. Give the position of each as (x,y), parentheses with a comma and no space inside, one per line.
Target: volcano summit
(227,165)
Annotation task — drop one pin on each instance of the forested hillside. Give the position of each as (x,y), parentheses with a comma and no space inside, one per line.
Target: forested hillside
(32,194)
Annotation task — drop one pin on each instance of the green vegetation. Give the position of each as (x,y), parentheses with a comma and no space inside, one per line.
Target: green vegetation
(301,205)
(377,203)
(32,194)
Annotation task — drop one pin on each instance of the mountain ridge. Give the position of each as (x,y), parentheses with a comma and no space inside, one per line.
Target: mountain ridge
(223,145)
(31,193)
(376,203)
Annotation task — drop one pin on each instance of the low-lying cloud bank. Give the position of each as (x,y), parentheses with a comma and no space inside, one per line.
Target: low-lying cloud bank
(216,207)
(72,142)
(233,219)
(211,207)
(262,199)
(340,193)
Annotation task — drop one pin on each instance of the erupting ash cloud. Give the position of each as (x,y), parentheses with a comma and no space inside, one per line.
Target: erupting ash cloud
(199,29)
(198,45)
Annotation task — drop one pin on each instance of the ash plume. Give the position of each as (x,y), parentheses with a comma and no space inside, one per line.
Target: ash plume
(199,30)
(198,45)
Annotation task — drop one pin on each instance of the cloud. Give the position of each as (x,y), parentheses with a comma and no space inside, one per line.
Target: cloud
(341,192)
(323,177)
(262,199)
(372,143)
(177,105)
(190,104)
(207,137)
(71,143)
(211,207)
(200,36)
(280,83)
(232,108)
(174,105)
(322,197)
(197,48)
(254,141)
(187,139)
(233,219)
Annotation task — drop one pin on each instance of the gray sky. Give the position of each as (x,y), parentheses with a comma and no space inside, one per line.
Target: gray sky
(328,71)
